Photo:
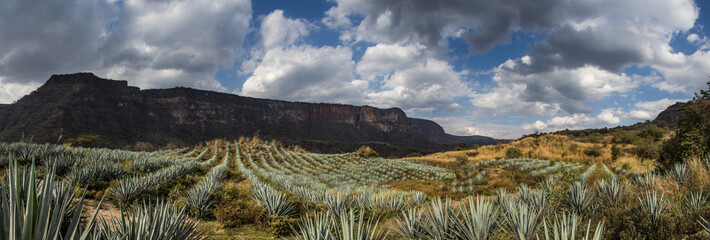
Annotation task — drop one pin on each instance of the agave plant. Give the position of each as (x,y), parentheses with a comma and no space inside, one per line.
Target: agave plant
(585,175)
(200,197)
(316,228)
(95,171)
(522,219)
(418,198)
(695,201)
(159,221)
(439,219)
(37,212)
(363,230)
(410,225)
(273,201)
(477,220)
(337,203)
(565,228)
(647,181)
(579,198)
(680,172)
(611,192)
(652,205)
(129,190)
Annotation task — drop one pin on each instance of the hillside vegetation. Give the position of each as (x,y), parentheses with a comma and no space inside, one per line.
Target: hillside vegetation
(624,149)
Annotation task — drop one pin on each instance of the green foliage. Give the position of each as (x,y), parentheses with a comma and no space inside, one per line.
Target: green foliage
(648,151)
(461,146)
(280,225)
(615,152)
(234,207)
(367,152)
(82,141)
(414,154)
(513,153)
(38,212)
(693,136)
(594,151)
(25,139)
(461,160)
(472,154)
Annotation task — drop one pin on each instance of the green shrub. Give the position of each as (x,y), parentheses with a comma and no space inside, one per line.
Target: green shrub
(461,160)
(648,151)
(615,152)
(513,153)
(82,141)
(461,146)
(280,225)
(367,152)
(595,151)
(234,207)
(414,154)
(472,154)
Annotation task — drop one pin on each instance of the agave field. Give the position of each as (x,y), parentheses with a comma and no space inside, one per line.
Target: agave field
(168,195)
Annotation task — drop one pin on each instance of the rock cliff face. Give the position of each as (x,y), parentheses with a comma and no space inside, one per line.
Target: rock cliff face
(669,118)
(70,105)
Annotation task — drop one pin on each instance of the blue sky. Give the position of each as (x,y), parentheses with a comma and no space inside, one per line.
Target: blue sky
(482,67)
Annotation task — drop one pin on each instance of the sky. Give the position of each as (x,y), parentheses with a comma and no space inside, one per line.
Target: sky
(476,67)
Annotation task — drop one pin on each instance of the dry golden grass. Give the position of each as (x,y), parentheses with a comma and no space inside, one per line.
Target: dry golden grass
(635,164)
(549,147)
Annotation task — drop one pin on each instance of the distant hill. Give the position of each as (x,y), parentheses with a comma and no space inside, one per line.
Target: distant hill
(669,117)
(70,105)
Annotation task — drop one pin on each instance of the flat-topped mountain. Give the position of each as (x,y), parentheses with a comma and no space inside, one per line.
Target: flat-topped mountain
(70,105)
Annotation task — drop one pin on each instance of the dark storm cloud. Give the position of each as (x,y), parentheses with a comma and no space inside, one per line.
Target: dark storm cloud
(569,48)
(487,23)
(38,38)
(155,43)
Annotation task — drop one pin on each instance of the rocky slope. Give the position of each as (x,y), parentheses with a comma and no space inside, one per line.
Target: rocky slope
(74,104)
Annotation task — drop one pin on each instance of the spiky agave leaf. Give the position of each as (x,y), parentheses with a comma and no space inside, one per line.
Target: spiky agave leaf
(29,211)
(158,221)
(522,219)
(477,220)
(680,172)
(611,192)
(317,227)
(338,203)
(579,198)
(565,228)
(652,205)
(418,198)
(362,230)
(439,219)
(695,200)
(410,224)
(273,201)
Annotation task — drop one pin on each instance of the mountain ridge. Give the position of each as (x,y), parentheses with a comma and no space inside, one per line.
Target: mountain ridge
(70,105)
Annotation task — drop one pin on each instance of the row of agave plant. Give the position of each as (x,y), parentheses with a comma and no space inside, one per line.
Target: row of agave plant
(335,169)
(308,189)
(130,189)
(201,196)
(46,209)
(63,158)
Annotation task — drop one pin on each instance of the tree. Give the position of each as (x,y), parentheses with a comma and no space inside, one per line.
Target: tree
(461,146)
(513,153)
(83,141)
(693,135)
(366,152)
